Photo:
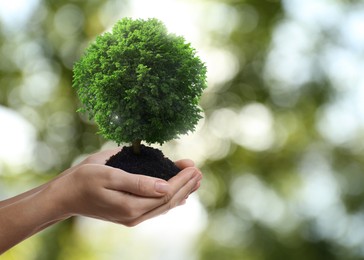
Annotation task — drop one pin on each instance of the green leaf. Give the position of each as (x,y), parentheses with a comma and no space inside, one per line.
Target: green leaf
(150,79)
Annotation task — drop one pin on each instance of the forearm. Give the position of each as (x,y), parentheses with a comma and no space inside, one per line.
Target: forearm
(26,216)
(21,196)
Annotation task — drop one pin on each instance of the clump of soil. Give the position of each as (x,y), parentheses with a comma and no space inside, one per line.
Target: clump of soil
(150,162)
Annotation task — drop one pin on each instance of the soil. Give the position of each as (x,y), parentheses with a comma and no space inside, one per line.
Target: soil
(150,162)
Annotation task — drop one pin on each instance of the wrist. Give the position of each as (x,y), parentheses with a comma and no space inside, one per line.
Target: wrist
(56,201)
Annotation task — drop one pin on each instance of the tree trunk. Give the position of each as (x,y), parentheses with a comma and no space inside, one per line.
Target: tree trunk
(136,146)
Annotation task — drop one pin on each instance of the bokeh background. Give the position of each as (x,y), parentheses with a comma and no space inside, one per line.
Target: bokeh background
(281,144)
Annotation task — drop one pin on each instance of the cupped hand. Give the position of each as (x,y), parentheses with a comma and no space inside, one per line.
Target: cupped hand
(94,190)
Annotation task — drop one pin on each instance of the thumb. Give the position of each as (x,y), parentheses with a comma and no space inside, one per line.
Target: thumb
(140,185)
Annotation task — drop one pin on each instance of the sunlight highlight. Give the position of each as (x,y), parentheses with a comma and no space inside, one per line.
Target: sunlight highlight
(15,13)
(17,138)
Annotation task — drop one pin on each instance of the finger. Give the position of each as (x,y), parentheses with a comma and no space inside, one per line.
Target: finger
(142,205)
(185,174)
(109,152)
(185,163)
(178,199)
(101,157)
(181,184)
(196,187)
(136,184)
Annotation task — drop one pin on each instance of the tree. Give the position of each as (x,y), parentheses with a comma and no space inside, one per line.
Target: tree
(140,82)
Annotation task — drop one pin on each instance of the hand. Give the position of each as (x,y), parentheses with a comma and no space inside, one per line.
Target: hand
(94,190)
(111,194)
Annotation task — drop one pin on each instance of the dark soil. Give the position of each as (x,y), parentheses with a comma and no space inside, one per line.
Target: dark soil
(150,162)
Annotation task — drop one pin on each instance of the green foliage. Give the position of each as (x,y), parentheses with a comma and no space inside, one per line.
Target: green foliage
(140,82)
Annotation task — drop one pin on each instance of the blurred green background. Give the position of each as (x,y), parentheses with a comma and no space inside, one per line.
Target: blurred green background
(281,144)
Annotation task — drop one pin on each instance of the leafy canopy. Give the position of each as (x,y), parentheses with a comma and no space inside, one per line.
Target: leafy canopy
(140,82)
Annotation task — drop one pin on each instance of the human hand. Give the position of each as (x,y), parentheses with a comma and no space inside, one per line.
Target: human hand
(102,192)
(94,190)
(102,156)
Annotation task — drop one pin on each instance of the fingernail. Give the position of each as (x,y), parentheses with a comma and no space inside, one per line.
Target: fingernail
(161,186)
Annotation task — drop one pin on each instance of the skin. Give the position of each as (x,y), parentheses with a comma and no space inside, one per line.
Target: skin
(94,190)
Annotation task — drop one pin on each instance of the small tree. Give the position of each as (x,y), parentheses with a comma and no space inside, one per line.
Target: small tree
(140,82)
